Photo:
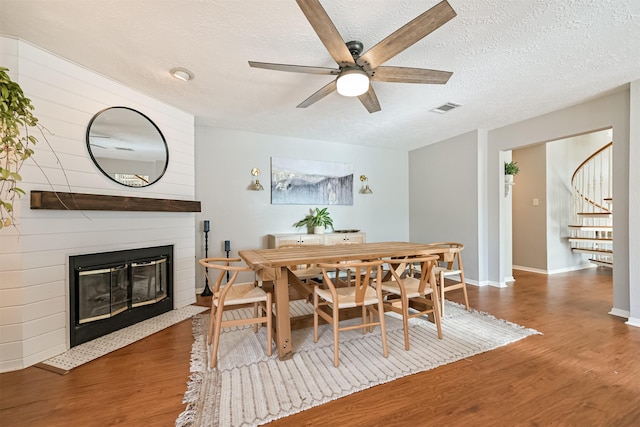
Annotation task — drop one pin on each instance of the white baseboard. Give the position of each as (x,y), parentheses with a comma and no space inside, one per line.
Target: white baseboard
(633,321)
(529,269)
(620,313)
(476,283)
(498,284)
(556,271)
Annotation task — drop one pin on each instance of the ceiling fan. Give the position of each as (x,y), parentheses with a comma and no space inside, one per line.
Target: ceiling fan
(356,70)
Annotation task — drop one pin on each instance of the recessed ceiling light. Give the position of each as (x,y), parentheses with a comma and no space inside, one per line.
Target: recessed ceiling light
(181,74)
(446,107)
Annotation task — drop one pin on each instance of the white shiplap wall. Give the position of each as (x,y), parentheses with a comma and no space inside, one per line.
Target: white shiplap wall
(33,256)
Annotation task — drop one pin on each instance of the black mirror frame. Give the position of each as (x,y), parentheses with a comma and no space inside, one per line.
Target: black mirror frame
(105,173)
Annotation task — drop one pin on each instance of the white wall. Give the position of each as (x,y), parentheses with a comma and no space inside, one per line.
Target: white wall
(634,204)
(224,159)
(443,193)
(33,256)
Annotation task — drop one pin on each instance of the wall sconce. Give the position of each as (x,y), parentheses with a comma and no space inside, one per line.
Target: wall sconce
(365,185)
(256,186)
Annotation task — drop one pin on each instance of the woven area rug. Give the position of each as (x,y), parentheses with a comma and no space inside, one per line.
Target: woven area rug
(91,350)
(249,388)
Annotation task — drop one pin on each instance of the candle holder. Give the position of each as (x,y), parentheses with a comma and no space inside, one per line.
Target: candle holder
(227,249)
(207,291)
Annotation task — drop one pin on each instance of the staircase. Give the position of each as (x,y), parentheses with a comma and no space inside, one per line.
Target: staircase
(592,224)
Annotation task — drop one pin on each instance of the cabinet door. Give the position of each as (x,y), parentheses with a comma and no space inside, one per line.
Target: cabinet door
(354,237)
(287,240)
(333,238)
(339,238)
(311,239)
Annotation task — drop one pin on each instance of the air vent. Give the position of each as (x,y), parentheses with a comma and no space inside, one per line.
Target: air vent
(446,107)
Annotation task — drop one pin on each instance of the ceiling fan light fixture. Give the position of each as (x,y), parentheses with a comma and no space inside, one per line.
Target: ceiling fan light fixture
(181,74)
(352,82)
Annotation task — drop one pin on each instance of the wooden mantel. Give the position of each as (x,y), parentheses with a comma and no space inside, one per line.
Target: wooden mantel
(99,202)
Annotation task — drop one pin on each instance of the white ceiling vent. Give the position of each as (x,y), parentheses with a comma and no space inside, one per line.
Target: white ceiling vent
(446,107)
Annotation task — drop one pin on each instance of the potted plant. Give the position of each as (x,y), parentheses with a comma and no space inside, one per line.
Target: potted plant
(16,119)
(510,169)
(317,221)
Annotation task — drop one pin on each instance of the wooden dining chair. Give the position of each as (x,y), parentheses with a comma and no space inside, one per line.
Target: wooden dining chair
(234,295)
(450,265)
(339,295)
(414,291)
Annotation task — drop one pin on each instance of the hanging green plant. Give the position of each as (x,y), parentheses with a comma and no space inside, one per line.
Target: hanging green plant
(16,119)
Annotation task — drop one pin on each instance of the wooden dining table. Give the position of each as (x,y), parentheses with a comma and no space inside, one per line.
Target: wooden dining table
(276,265)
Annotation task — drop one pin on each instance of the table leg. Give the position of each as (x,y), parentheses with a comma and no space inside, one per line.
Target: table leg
(283,318)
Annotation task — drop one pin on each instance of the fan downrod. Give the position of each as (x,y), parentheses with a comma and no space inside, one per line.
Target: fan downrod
(355,48)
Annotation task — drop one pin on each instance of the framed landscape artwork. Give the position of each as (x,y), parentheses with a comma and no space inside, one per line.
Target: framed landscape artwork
(310,182)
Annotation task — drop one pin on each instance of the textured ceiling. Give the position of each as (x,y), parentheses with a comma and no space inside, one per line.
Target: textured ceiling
(511,59)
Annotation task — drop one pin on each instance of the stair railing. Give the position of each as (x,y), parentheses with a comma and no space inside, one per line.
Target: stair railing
(592,183)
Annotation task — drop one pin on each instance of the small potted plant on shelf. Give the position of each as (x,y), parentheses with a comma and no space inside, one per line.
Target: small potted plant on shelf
(316,221)
(510,169)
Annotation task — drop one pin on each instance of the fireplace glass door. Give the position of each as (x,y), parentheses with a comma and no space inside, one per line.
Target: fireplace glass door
(102,293)
(149,282)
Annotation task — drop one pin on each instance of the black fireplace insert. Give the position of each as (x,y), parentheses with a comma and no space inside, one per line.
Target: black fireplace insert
(113,290)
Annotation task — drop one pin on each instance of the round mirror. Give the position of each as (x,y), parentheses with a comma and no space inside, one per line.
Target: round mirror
(127,146)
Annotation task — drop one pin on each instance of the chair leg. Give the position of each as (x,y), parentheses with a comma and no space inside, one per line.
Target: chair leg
(436,312)
(364,320)
(316,301)
(255,316)
(336,337)
(405,320)
(216,339)
(383,328)
(212,318)
(464,283)
(269,328)
(464,290)
(370,321)
(441,287)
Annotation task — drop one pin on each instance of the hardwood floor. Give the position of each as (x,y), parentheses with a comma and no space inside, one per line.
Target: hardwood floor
(584,371)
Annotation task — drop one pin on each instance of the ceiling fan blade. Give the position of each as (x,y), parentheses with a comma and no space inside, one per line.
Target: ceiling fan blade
(407,35)
(370,100)
(294,68)
(411,75)
(326,90)
(324,28)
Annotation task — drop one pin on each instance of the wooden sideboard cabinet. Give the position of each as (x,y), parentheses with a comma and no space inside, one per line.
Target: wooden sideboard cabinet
(277,240)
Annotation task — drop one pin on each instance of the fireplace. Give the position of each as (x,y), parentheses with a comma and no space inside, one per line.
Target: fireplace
(113,290)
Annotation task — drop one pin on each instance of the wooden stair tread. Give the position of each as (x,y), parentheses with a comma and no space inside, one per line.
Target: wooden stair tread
(592,227)
(591,239)
(602,263)
(594,214)
(593,251)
